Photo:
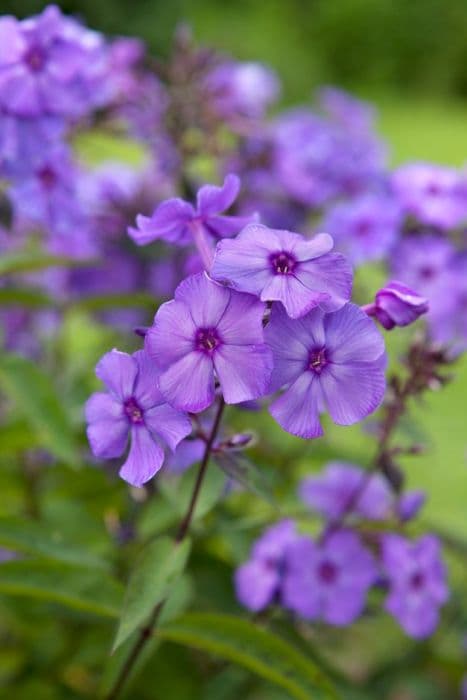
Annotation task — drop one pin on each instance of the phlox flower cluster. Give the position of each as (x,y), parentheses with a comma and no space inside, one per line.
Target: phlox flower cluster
(329,577)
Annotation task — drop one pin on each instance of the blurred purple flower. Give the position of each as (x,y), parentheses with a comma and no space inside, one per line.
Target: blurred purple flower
(365,228)
(179,222)
(242,89)
(332,362)
(209,329)
(345,109)
(417,582)
(410,504)
(396,305)
(342,487)
(258,581)
(283,266)
(133,406)
(431,194)
(328,580)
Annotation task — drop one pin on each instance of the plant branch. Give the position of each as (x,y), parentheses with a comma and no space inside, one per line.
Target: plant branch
(147,631)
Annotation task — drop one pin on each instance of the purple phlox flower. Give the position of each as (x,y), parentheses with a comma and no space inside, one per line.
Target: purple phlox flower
(133,406)
(417,582)
(342,488)
(333,362)
(316,160)
(45,62)
(345,109)
(364,228)
(448,312)
(420,262)
(207,331)
(431,194)
(23,139)
(179,222)
(286,267)
(258,581)
(328,580)
(410,504)
(396,305)
(242,89)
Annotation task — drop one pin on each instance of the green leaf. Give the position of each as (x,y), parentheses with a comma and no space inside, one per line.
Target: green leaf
(30,261)
(30,537)
(24,296)
(36,399)
(178,491)
(241,469)
(160,564)
(242,642)
(101,302)
(75,587)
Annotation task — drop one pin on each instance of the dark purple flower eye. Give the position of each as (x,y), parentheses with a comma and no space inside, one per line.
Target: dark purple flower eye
(327,571)
(35,58)
(133,411)
(207,340)
(283,263)
(318,360)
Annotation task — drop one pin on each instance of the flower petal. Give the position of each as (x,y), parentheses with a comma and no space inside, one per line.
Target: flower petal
(242,321)
(107,426)
(352,391)
(244,371)
(189,383)
(213,200)
(118,371)
(329,276)
(144,459)
(297,410)
(206,300)
(352,336)
(172,335)
(168,222)
(168,423)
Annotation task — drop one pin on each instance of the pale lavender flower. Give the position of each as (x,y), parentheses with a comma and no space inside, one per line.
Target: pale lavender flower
(342,488)
(242,89)
(410,504)
(364,228)
(417,582)
(179,222)
(431,194)
(258,581)
(208,331)
(332,362)
(283,266)
(328,580)
(397,305)
(133,406)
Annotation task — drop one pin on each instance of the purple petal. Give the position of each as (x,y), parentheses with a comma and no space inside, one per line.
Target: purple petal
(168,222)
(172,335)
(227,226)
(213,200)
(118,371)
(352,391)
(297,410)
(295,297)
(189,383)
(328,279)
(244,262)
(108,428)
(244,371)
(168,423)
(205,299)
(256,584)
(146,391)
(352,336)
(242,321)
(144,459)
(309,249)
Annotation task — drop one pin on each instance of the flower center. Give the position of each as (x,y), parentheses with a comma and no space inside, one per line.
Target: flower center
(427,272)
(133,412)
(327,571)
(417,580)
(282,263)
(35,58)
(363,228)
(318,360)
(47,176)
(207,340)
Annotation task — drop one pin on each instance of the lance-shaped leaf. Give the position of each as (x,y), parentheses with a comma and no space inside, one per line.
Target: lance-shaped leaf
(31,261)
(89,590)
(260,651)
(242,470)
(36,399)
(160,564)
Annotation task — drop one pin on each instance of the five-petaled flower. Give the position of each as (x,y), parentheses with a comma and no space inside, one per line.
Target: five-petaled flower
(283,266)
(133,406)
(330,361)
(209,331)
